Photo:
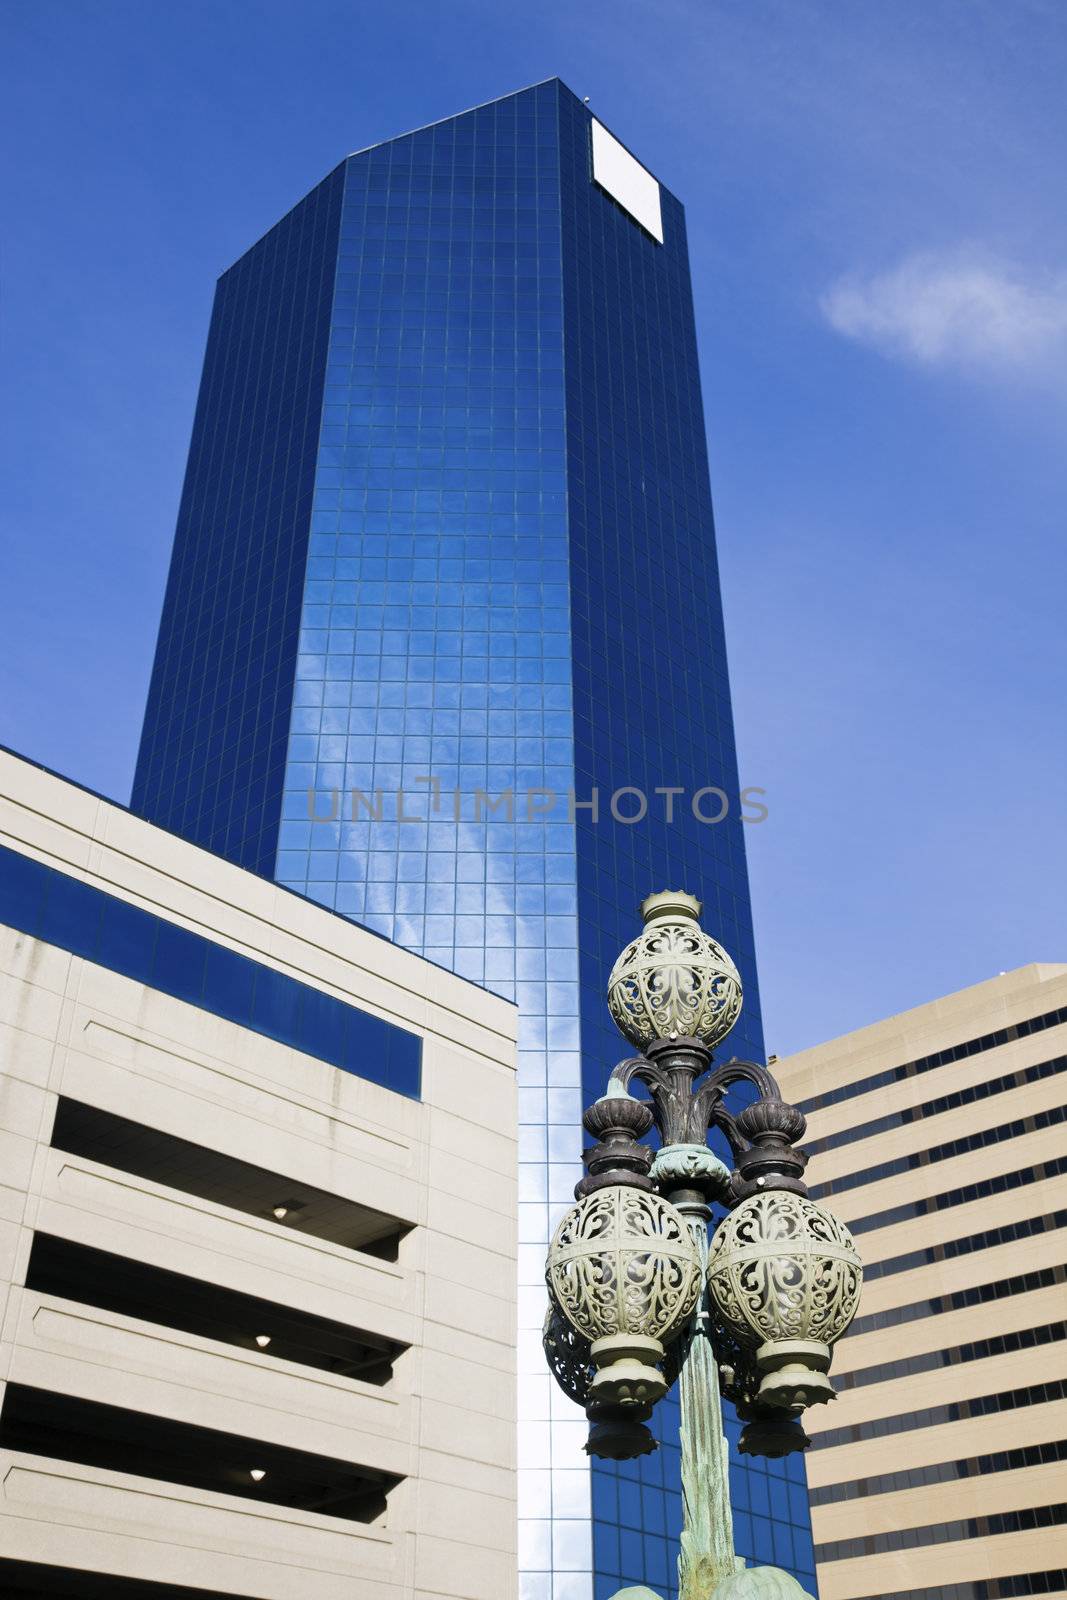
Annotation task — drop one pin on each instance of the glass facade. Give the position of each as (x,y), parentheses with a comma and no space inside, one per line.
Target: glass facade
(216,726)
(497,620)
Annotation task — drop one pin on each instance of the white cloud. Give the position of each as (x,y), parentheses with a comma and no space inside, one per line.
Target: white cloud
(957,309)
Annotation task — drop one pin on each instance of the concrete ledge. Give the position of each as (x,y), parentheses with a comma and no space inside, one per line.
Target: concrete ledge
(97,1355)
(128,1215)
(108,1522)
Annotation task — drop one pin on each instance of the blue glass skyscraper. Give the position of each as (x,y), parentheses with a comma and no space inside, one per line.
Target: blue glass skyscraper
(442,648)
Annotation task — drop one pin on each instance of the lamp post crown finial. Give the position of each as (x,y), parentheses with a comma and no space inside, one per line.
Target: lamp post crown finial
(670,903)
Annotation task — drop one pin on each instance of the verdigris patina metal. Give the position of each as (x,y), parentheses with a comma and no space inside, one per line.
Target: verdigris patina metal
(753,1583)
(761,1583)
(777,1289)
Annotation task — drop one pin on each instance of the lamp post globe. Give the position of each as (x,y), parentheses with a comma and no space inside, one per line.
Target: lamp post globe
(623,1269)
(784,1275)
(674,980)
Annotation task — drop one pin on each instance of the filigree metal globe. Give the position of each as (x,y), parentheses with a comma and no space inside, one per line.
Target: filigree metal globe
(785,1278)
(624,1270)
(675,980)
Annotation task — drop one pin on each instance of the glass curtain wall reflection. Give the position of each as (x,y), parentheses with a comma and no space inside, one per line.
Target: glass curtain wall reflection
(494,595)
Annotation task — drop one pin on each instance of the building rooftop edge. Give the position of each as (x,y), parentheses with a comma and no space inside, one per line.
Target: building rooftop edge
(925,1013)
(316,906)
(436,122)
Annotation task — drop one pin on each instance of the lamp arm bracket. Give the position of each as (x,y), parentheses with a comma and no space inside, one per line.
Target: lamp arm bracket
(727,1124)
(737,1071)
(658,1083)
(671,1100)
(624,1074)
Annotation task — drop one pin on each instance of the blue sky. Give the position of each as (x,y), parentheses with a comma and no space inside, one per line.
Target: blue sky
(879,245)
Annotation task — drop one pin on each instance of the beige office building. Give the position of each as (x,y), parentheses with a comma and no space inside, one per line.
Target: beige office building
(939,1136)
(257,1234)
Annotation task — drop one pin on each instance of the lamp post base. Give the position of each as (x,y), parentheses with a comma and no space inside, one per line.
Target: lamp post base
(760,1583)
(754,1583)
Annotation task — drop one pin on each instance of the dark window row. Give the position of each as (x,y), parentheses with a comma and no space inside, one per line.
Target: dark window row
(984,1189)
(35,1580)
(978,1294)
(1008,1233)
(1029,1455)
(946,1102)
(1001,1344)
(61,910)
(940,1058)
(132,1288)
(225,1180)
(64,1427)
(986,1405)
(942,1152)
(999,1522)
(1022,1583)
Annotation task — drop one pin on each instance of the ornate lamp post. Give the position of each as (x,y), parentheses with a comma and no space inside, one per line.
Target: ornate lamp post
(638,1298)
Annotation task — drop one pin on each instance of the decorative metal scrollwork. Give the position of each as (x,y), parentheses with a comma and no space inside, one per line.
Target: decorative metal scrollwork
(675,980)
(623,1262)
(567,1355)
(768,1430)
(624,1271)
(785,1278)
